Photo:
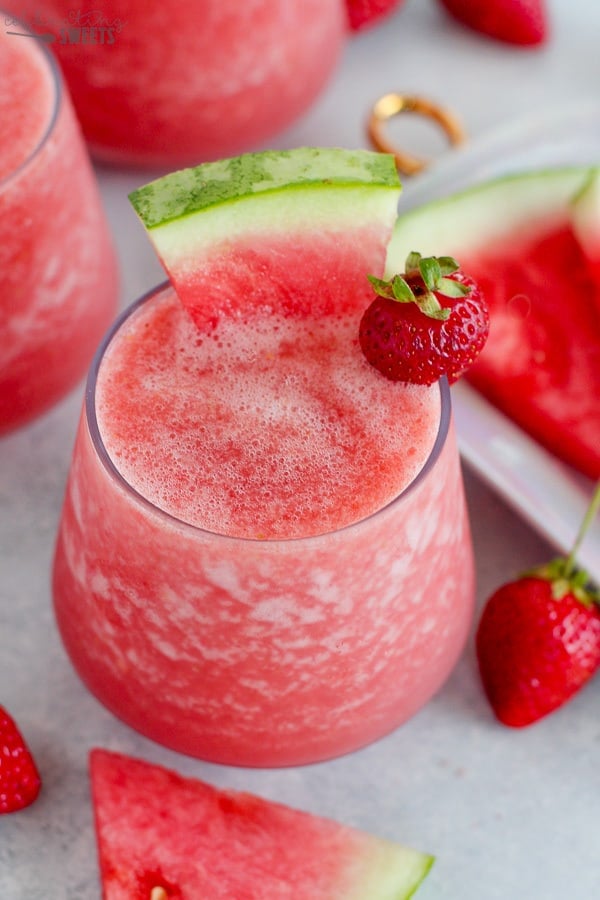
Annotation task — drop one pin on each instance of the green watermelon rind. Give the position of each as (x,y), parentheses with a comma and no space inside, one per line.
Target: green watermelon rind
(474,218)
(194,190)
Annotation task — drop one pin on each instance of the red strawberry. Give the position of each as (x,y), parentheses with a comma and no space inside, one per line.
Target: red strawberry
(512,21)
(364,13)
(19,779)
(538,639)
(429,322)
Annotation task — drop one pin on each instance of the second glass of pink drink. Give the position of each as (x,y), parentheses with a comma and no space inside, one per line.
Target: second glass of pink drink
(58,278)
(173,82)
(264,556)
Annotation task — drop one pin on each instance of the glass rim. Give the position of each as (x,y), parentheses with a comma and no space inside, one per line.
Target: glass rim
(57,86)
(140,500)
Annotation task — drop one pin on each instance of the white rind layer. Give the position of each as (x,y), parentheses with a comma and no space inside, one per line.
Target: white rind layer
(484,214)
(186,244)
(390,871)
(586,216)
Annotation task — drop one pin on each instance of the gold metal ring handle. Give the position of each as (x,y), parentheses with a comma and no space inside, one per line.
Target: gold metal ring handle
(391,105)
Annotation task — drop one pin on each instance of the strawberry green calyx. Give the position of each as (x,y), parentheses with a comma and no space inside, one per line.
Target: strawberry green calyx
(563,573)
(575,582)
(424,277)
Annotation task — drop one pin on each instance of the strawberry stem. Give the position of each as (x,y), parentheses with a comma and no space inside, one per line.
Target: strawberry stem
(583,528)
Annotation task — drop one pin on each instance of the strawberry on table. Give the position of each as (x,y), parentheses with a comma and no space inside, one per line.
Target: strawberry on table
(430,321)
(363,14)
(19,779)
(538,639)
(512,21)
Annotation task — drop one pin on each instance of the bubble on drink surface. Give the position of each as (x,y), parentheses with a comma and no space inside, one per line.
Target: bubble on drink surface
(278,428)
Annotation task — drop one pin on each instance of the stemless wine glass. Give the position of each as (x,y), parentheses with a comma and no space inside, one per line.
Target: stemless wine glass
(58,273)
(177,82)
(259,652)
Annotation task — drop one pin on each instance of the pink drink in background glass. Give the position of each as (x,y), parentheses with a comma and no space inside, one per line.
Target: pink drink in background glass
(58,279)
(264,556)
(171,82)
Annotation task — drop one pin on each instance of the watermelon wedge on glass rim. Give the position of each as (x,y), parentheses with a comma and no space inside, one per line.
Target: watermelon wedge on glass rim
(532,242)
(286,527)
(165,837)
(282,231)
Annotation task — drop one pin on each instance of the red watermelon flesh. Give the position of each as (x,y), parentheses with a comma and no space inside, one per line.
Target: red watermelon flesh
(164,836)
(293,274)
(541,364)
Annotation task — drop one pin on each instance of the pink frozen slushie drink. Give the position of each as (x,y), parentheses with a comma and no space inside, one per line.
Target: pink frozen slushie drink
(58,280)
(264,557)
(181,81)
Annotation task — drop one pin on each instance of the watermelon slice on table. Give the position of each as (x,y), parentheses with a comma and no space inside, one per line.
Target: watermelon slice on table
(286,230)
(162,836)
(532,241)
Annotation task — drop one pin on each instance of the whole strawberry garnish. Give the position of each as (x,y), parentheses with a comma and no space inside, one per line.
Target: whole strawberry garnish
(19,779)
(365,13)
(430,321)
(511,21)
(538,639)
